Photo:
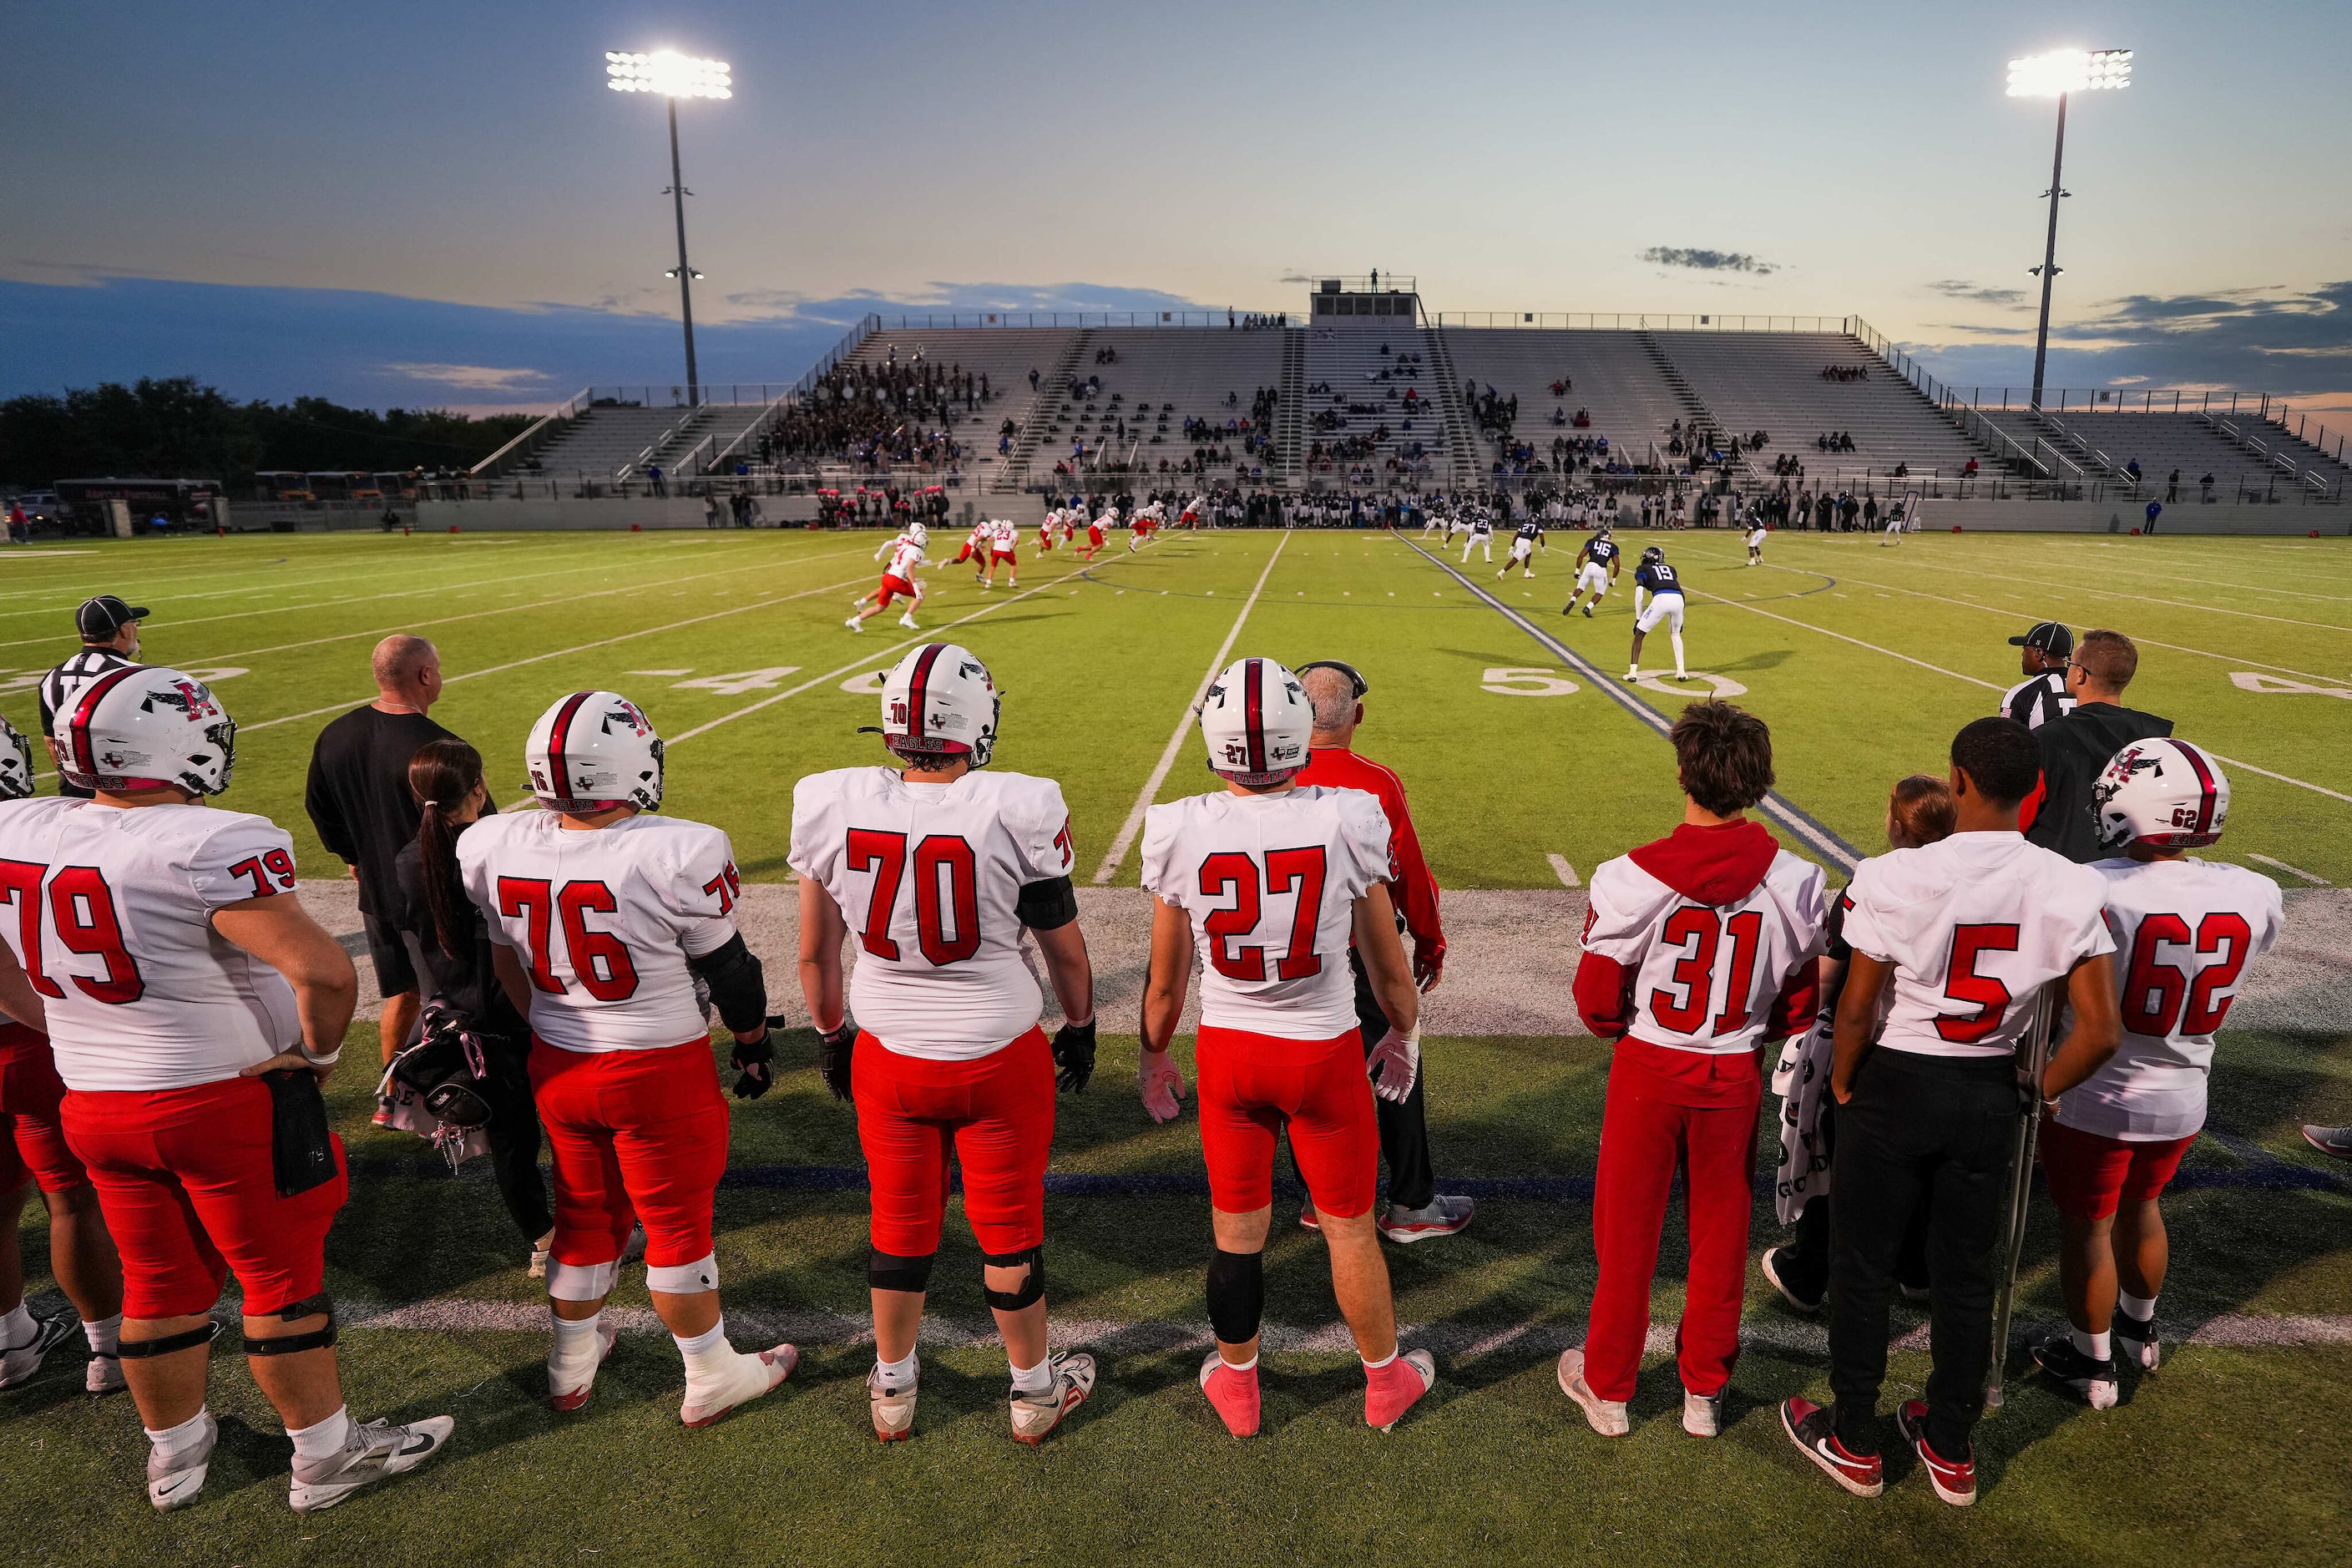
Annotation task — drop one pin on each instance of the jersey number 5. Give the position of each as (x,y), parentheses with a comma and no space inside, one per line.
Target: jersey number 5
(600,959)
(1963,983)
(1284,869)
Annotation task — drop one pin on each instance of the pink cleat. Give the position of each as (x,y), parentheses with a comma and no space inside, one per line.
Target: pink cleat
(1392,1390)
(1233,1392)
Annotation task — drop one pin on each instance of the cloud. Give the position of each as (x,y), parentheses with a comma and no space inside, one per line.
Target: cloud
(1961,288)
(472,377)
(1705,260)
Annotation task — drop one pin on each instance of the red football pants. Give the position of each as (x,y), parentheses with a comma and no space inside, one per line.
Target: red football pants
(639,1137)
(185,1180)
(32,1138)
(1251,1086)
(996,1111)
(1644,1140)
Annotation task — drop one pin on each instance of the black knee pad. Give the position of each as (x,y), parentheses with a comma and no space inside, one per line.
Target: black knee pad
(888,1271)
(169,1344)
(289,1345)
(1033,1289)
(1236,1295)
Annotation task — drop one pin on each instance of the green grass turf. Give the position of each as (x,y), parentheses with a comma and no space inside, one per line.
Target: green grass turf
(1098,668)
(2227,1455)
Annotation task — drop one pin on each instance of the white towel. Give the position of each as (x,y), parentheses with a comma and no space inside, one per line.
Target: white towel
(1802,1078)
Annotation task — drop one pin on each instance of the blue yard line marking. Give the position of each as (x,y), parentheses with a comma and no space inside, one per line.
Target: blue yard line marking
(1799,823)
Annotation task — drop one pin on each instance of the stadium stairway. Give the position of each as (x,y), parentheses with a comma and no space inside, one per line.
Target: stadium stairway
(2266,464)
(1460,445)
(1012,473)
(608,438)
(1695,412)
(1290,412)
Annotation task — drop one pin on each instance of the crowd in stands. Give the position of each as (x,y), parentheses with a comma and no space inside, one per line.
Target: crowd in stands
(1833,441)
(1845,372)
(875,413)
(1258,322)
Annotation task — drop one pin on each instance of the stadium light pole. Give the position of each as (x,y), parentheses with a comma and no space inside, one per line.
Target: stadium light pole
(674,75)
(2055,74)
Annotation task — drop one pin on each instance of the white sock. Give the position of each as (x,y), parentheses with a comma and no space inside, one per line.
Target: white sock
(103,1335)
(1371,1366)
(2096,1346)
(173,1441)
(1033,1380)
(1677,639)
(2140,1309)
(572,1359)
(713,1338)
(898,1373)
(17,1328)
(1249,1365)
(325,1439)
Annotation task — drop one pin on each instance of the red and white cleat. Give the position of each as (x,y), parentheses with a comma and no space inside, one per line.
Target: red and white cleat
(1233,1394)
(1440,1216)
(893,1408)
(1035,1415)
(747,1380)
(1395,1388)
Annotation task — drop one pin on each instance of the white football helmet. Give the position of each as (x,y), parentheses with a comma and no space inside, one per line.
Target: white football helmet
(919,536)
(2162,792)
(940,701)
(593,751)
(1257,721)
(15,764)
(140,728)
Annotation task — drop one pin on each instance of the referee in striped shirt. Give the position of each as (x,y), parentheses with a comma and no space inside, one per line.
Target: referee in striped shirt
(2041,696)
(110,640)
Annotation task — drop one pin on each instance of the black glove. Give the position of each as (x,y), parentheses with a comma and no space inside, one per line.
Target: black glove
(832,1054)
(1073,1051)
(752,1061)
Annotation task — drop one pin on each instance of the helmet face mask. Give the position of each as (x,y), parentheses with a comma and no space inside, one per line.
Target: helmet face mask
(141,728)
(15,763)
(1257,723)
(594,750)
(939,702)
(2162,794)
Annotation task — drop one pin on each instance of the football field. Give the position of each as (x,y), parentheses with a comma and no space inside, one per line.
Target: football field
(1528,763)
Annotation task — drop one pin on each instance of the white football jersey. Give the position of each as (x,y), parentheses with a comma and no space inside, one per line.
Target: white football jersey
(928,876)
(905,558)
(604,921)
(1005,533)
(2185,931)
(1705,976)
(110,916)
(1974,926)
(1270,883)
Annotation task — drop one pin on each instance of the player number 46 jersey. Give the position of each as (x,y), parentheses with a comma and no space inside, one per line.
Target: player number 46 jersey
(2184,932)
(604,921)
(109,911)
(1270,883)
(1706,976)
(928,879)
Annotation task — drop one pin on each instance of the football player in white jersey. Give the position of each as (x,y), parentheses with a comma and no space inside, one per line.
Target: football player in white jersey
(975,548)
(1268,880)
(33,1150)
(603,919)
(1004,540)
(194,1008)
(939,868)
(2185,929)
(898,581)
(1962,934)
(1697,950)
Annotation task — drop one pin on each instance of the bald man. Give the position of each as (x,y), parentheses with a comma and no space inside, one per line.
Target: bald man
(359,801)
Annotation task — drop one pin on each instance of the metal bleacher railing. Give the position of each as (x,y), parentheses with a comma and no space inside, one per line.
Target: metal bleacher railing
(1639,321)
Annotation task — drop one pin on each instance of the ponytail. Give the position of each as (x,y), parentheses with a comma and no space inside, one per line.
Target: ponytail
(441,775)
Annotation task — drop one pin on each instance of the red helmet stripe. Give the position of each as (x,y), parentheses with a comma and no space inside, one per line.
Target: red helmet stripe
(559,765)
(78,729)
(2204,773)
(918,692)
(1254,711)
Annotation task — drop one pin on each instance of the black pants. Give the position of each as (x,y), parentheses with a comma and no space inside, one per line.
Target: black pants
(1404,1124)
(1805,1262)
(1938,1127)
(514,1135)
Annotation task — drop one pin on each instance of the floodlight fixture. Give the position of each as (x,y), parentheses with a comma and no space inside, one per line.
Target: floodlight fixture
(668,73)
(2055,74)
(2063,72)
(672,76)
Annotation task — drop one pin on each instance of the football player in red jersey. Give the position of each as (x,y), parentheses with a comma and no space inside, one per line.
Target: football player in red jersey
(194,1009)
(604,921)
(2185,929)
(1697,949)
(1268,880)
(940,867)
(33,1149)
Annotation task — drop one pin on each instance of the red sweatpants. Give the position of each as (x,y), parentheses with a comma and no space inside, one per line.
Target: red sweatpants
(638,1137)
(1647,1133)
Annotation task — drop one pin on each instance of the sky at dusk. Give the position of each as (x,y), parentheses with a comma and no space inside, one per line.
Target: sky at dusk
(433,204)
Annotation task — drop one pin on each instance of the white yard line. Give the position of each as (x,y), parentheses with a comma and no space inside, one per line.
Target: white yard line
(2290,870)
(1134,823)
(1563,870)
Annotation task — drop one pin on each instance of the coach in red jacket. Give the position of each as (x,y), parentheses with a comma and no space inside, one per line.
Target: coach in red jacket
(1415,1211)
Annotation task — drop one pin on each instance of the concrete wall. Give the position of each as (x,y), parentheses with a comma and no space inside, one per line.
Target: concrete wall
(2122,517)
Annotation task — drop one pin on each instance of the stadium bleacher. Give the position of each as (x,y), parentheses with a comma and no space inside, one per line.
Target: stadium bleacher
(1613,379)
(2246,456)
(1180,373)
(1383,399)
(1772,381)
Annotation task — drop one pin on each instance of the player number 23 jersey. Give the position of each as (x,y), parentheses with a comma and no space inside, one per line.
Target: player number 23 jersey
(1270,883)
(928,879)
(604,921)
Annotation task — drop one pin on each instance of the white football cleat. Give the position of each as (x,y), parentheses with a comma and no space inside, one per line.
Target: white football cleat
(374,1452)
(103,1375)
(854,624)
(176,1483)
(750,1377)
(908,621)
(570,1378)
(1035,1414)
(894,1408)
(1606,1417)
(20,1363)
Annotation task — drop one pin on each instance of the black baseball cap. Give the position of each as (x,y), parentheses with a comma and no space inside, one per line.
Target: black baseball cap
(101,617)
(2049,636)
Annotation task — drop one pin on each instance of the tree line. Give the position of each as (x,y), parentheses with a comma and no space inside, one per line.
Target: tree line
(180,428)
